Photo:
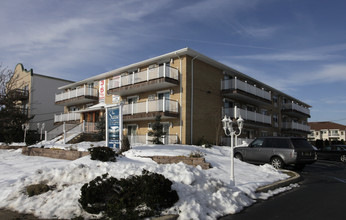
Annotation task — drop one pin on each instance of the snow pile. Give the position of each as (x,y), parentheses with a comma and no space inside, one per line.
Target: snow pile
(83,146)
(204,194)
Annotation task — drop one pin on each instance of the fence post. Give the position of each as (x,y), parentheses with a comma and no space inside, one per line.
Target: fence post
(146,138)
(235,82)
(83,126)
(164,70)
(64,130)
(45,136)
(147,106)
(163,104)
(132,108)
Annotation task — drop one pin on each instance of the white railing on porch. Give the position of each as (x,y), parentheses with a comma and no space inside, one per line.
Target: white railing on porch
(74,93)
(146,75)
(72,116)
(295,126)
(160,105)
(294,106)
(246,87)
(247,115)
(146,139)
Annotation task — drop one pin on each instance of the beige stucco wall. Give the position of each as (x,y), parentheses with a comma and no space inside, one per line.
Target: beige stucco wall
(207,101)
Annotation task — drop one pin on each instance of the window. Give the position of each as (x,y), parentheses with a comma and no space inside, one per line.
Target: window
(257,143)
(131,130)
(151,97)
(228,103)
(132,99)
(277,143)
(264,133)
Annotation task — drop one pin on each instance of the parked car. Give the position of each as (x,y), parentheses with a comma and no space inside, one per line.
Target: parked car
(278,151)
(334,152)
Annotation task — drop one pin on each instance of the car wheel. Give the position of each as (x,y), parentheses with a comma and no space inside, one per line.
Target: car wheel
(343,158)
(277,162)
(238,156)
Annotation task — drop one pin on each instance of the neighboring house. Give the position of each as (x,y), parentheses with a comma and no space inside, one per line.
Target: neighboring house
(327,130)
(36,92)
(192,93)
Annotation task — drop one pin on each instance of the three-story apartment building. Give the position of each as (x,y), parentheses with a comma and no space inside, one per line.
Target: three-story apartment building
(191,92)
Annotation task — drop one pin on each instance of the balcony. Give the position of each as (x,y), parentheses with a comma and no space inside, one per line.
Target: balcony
(242,90)
(77,96)
(150,109)
(295,126)
(295,110)
(247,115)
(19,94)
(72,117)
(161,77)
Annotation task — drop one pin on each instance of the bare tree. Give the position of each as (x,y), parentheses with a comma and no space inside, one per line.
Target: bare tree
(11,116)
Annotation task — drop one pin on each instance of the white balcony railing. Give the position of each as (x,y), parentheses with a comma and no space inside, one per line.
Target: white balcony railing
(161,105)
(149,74)
(74,93)
(294,106)
(247,115)
(295,126)
(72,116)
(244,86)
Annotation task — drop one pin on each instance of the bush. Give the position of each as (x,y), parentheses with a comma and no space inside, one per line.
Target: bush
(102,153)
(132,198)
(125,144)
(37,189)
(157,131)
(196,154)
(204,142)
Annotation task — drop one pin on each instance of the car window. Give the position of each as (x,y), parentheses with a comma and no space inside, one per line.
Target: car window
(328,148)
(279,143)
(301,143)
(257,143)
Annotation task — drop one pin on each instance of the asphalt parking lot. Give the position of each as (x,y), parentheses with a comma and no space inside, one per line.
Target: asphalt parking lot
(321,196)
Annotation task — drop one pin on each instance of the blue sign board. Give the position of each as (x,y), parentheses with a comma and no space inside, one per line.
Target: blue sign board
(113,127)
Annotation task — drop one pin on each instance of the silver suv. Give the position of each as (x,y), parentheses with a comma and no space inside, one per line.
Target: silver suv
(278,151)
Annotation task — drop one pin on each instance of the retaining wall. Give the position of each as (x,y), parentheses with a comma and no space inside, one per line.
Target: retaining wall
(53,153)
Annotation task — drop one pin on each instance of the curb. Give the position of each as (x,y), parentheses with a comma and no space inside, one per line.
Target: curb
(294,178)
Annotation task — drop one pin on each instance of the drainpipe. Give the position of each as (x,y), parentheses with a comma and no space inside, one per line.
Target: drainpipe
(180,97)
(191,123)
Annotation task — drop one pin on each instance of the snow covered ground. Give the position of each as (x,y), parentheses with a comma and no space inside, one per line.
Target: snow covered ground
(204,194)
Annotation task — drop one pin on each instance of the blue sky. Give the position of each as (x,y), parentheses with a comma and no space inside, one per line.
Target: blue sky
(297,46)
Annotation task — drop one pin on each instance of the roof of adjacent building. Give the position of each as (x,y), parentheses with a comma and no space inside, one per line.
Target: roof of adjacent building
(325,125)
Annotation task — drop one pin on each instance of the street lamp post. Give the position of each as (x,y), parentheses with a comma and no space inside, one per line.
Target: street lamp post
(230,131)
(40,127)
(25,128)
